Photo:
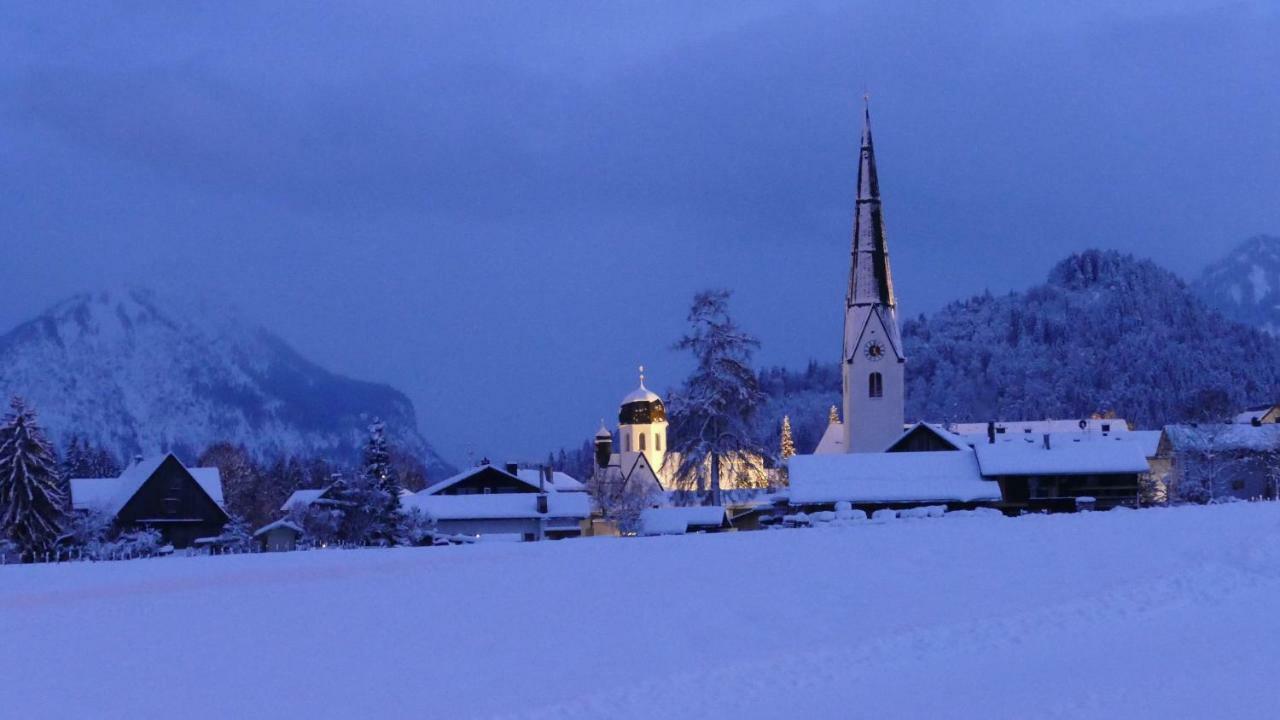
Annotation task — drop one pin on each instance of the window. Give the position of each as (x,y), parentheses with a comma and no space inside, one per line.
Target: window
(641,442)
(875,387)
(175,483)
(657,442)
(1106,427)
(626,441)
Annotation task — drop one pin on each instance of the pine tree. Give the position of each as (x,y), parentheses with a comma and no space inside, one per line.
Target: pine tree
(381,476)
(714,409)
(788,447)
(33,504)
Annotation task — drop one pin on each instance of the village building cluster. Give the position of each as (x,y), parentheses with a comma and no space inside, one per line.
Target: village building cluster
(868,462)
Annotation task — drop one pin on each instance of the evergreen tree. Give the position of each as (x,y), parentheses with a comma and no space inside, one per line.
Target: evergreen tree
(33,503)
(241,480)
(381,477)
(714,409)
(788,446)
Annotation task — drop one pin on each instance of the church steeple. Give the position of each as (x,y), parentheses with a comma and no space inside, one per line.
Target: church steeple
(874,364)
(870,282)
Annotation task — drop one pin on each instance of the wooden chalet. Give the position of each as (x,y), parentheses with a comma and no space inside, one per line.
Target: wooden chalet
(183,504)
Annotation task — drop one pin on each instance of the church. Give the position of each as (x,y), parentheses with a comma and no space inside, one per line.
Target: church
(873,366)
(641,460)
(871,459)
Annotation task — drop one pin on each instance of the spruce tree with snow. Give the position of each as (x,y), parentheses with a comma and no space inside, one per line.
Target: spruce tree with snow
(381,476)
(712,412)
(33,504)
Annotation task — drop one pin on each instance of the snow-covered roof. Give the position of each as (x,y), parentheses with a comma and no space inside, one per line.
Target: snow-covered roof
(302,497)
(277,524)
(560,482)
(832,441)
(946,436)
(112,494)
(640,394)
(679,520)
(1062,458)
(1224,436)
(603,432)
(459,477)
(889,477)
(1030,427)
(1258,413)
(498,505)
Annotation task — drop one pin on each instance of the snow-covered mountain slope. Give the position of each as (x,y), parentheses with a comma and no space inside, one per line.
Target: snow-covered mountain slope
(1245,285)
(1164,613)
(136,372)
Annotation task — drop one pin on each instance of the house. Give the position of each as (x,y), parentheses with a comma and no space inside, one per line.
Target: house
(279,536)
(490,502)
(930,465)
(161,493)
(1217,460)
(1041,473)
(1259,415)
(683,520)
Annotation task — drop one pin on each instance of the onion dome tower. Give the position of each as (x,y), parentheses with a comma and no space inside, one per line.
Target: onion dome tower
(642,424)
(604,445)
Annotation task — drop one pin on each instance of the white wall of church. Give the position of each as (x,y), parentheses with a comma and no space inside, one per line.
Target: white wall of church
(650,439)
(871,423)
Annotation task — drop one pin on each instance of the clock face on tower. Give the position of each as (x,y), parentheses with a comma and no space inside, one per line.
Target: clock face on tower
(873,350)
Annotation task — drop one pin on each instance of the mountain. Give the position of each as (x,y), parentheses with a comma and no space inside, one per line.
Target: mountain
(137,373)
(1245,285)
(1106,333)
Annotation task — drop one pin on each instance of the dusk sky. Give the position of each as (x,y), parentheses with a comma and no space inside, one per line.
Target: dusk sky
(503,208)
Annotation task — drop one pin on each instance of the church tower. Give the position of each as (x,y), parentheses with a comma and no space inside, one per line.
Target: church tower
(873,363)
(642,425)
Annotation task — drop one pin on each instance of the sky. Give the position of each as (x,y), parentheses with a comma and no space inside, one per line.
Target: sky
(504,208)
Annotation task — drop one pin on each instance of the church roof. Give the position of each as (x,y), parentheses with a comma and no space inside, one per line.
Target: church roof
(641,394)
(870,282)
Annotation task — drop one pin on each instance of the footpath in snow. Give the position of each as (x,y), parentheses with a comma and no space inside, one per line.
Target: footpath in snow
(1127,614)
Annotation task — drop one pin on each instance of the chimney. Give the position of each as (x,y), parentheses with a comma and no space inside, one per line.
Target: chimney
(542,503)
(1046,441)
(991,433)
(546,478)
(513,468)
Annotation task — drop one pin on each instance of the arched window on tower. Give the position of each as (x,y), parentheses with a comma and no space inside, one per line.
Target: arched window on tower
(641,442)
(875,385)
(657,442)
(626,440)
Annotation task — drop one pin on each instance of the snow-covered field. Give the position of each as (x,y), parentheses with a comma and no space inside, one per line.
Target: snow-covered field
(1158,613)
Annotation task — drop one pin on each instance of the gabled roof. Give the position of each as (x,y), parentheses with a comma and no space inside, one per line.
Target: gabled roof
(302,497)
(955,441)
(471,472)
(112,494)
(277,524)
(832,442)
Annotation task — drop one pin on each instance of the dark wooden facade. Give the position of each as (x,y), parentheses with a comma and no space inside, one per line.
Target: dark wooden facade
(172,502)
(922,438)
(1059,493)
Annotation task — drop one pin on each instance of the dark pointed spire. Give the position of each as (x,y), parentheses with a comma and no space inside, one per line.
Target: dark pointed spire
(870,282)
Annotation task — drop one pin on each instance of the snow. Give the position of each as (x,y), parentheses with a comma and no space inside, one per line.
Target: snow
(1225,436)
(679,520)
(1063,458)
(560,482)
(832,441)
(1145,614)
(498,505)
(302,497)
(531,481)
(889,477)
(277,524)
